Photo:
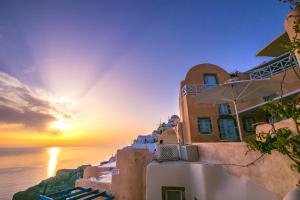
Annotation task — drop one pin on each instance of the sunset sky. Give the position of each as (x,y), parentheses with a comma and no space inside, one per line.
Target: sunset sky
(101,72)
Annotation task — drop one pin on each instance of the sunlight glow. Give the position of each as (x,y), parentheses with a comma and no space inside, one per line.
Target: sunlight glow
(52,163)
(60,125)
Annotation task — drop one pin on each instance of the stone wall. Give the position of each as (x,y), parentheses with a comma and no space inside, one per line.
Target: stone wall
(130,183)
(286,123)
(94,171)
(95,185)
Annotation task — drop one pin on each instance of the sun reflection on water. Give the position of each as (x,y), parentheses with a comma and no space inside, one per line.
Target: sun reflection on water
(53,155)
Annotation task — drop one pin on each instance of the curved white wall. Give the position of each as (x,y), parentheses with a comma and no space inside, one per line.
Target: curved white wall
(201,181)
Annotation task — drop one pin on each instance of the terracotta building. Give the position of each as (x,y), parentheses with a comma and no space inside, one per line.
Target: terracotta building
(210,122)
(223,169)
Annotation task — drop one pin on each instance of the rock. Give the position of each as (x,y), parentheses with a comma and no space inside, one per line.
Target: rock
(64,179)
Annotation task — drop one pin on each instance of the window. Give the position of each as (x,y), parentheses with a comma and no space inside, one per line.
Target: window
(228,129)
(249,124)
(204,125)
(210,80)
(224,109)
(173,193)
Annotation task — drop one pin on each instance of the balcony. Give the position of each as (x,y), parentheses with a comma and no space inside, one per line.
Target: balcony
(273,67)
(195,89)
(266,70)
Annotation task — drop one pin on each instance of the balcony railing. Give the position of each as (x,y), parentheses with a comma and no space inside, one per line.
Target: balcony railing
(273,67)
(265,70)
(195,89)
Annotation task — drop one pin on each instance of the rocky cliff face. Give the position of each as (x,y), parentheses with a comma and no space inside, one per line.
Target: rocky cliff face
(64,179)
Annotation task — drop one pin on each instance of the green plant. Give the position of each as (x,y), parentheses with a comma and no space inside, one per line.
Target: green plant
(292,3)
(282,140)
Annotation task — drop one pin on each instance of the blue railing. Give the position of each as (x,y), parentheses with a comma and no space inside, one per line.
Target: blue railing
(77,193)
(274,66)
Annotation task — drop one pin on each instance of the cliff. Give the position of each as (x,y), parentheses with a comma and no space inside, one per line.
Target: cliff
(64,179)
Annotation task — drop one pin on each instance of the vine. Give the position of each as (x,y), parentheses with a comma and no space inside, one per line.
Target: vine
(282,140)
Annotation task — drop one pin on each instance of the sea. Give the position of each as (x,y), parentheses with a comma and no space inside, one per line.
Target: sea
(21,168)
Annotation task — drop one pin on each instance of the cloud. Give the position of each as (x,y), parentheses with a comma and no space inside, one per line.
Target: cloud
(20,104)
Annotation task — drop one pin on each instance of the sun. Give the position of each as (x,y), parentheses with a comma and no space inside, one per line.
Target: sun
(60,125)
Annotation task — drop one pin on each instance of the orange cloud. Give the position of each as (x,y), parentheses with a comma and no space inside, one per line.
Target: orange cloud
(19,104)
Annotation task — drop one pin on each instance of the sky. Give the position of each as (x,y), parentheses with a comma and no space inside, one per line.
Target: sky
(84,72)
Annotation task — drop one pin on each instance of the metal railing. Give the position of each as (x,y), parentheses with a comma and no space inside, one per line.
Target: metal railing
(77,193)
(195,89)
(273,67)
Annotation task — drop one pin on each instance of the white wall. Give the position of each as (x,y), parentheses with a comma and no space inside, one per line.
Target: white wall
(201,181)
(166,174)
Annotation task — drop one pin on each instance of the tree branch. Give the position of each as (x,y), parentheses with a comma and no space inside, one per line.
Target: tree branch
(239,165)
